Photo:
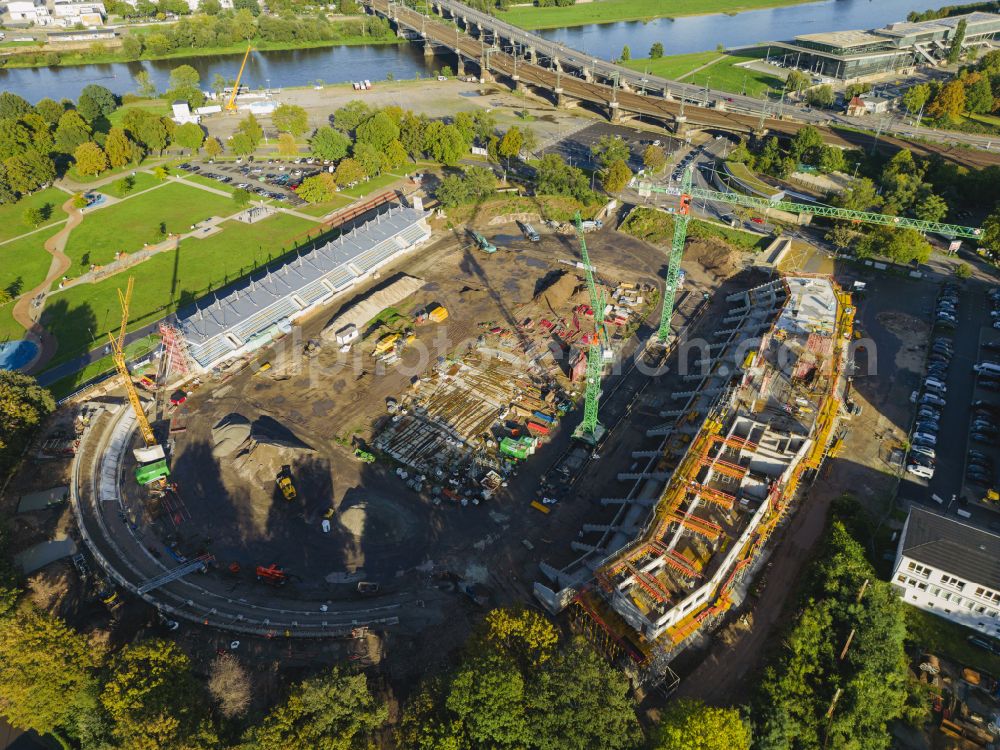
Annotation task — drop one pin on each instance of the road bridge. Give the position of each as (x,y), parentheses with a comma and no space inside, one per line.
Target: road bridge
(568,77)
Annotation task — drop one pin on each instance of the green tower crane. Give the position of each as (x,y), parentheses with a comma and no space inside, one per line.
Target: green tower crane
(687,193)
(591,430)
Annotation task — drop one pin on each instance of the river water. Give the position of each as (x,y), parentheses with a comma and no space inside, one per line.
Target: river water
(338,64)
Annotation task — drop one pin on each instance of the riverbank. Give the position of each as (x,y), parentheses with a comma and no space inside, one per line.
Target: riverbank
(725,71)
(40,58)
(612,11)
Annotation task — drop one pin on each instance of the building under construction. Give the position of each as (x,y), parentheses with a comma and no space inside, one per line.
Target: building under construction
(684,543)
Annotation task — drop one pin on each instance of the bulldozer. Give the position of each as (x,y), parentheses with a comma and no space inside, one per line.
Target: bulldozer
(285,484)
(364,456)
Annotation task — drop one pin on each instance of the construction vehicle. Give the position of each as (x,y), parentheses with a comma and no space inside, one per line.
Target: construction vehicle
(483,243)
(364,456)
(683,216)
(285,484)
(992,496)
(367,588)
(272,574)
(231,104)
(386,344)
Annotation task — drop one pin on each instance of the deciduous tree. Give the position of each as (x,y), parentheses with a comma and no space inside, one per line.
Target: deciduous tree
(118,147)
(656,51)
(654,158)
(71,132)
(378,131)
(692,725)
(90,159)
(290,118)
(189,136)
(949,102)
(318,188)
(348,173)
(615,176)
(915,97)
(212,147)
(330,144)
(609,149)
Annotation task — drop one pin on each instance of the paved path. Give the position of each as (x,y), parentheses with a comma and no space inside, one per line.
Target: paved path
(25,313)
(700,68)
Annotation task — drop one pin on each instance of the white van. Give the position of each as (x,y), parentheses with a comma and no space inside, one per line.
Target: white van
(935,385)
(987,368)
(924,472)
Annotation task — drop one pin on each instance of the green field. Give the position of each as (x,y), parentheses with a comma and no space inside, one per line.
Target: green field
(159,107)
(374,185)
(322,209)
(673,66)
(723,74)
(942,637)
(24,263)
(12,214)
(9,328)
(80,314)
(608,11)
(143,181)
(137,220)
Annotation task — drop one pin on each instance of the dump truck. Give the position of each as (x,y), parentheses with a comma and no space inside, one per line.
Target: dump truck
(285,484)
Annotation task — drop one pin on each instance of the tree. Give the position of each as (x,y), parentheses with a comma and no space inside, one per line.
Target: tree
(229,681)
(15,138)
(831,159)
(189,136)
(656,51)
(212,147)
(378,131)
(487,698)
(979,96)
(184,85)
(949,102)
(692,725)
(395,154)
(161,173)
(444,143)
(118,147)
(251,129)
(609,149)
(616,176)
(556,177)
(915,97)
(860,196)
(242,197)
(955,48)
(411,132)
(287,145)
(241,144)
(47,670)
(796,80)
(50,110)
(290,118)
(13,106)
(899,245)
(962,271)
(327,143)
(511,143)
(347,118)
(71,132)
(654,158)
(991,232)
(931,207)
(373,161)
(90,159)
(821,96)
(153,700)
(33,216)
(29,171)
(210,7)
(243,24)
(332,712)
(125,185)
(132,48)
(626,53)
(806,144)
(100,98)
(318,188)
(348,173)
(842,236)
(144,85)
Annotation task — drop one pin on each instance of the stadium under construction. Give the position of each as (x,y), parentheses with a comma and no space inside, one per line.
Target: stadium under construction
(758,421)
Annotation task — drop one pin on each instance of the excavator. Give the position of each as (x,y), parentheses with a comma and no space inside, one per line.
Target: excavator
(272,574)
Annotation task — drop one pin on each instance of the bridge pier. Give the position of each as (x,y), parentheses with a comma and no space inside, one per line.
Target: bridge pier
(680,125)
(519,87)
(428,48)
(459,64)
(614,112)
(484,72)
(529,53)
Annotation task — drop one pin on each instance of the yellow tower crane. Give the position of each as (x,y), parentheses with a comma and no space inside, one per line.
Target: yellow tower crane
(231,104)
(118,355)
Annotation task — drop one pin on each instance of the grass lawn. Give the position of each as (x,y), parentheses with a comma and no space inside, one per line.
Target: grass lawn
(159,107)
(608,11)
(24,262)
(945,638)
(143,181)
(197,178)
(372,186)
(127,225)
(79,314)
(722,74)
(322,209)
(12,221)
(9,328)
(673,66)
(135,350)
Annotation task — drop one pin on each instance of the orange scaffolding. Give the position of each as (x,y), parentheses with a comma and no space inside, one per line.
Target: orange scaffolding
(700,526)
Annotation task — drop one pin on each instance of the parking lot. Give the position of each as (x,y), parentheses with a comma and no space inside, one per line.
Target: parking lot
(274,179)
(953,455)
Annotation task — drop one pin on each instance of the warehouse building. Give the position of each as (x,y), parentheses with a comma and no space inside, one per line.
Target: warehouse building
(949,568)
(851,55)
(250,313)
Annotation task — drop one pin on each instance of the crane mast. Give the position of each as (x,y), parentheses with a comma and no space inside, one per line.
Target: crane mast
(231,104)
(687,193)
(118,356)
(591,430)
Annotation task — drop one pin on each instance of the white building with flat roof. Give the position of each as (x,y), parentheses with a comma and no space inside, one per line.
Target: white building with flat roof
(950,568)
(27,12)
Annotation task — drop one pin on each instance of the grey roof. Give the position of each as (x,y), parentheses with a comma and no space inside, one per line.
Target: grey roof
(215,324)
(953,547)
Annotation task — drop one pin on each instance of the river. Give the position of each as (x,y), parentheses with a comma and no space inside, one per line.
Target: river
(338,64)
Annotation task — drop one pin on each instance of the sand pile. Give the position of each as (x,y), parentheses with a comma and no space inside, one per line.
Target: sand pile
(560,292)
(259,449)
(231,433)
(714,256)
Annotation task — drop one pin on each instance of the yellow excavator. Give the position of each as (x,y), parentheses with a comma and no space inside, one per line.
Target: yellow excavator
(231,104)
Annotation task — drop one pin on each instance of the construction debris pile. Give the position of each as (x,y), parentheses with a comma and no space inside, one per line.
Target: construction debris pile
(466,424)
